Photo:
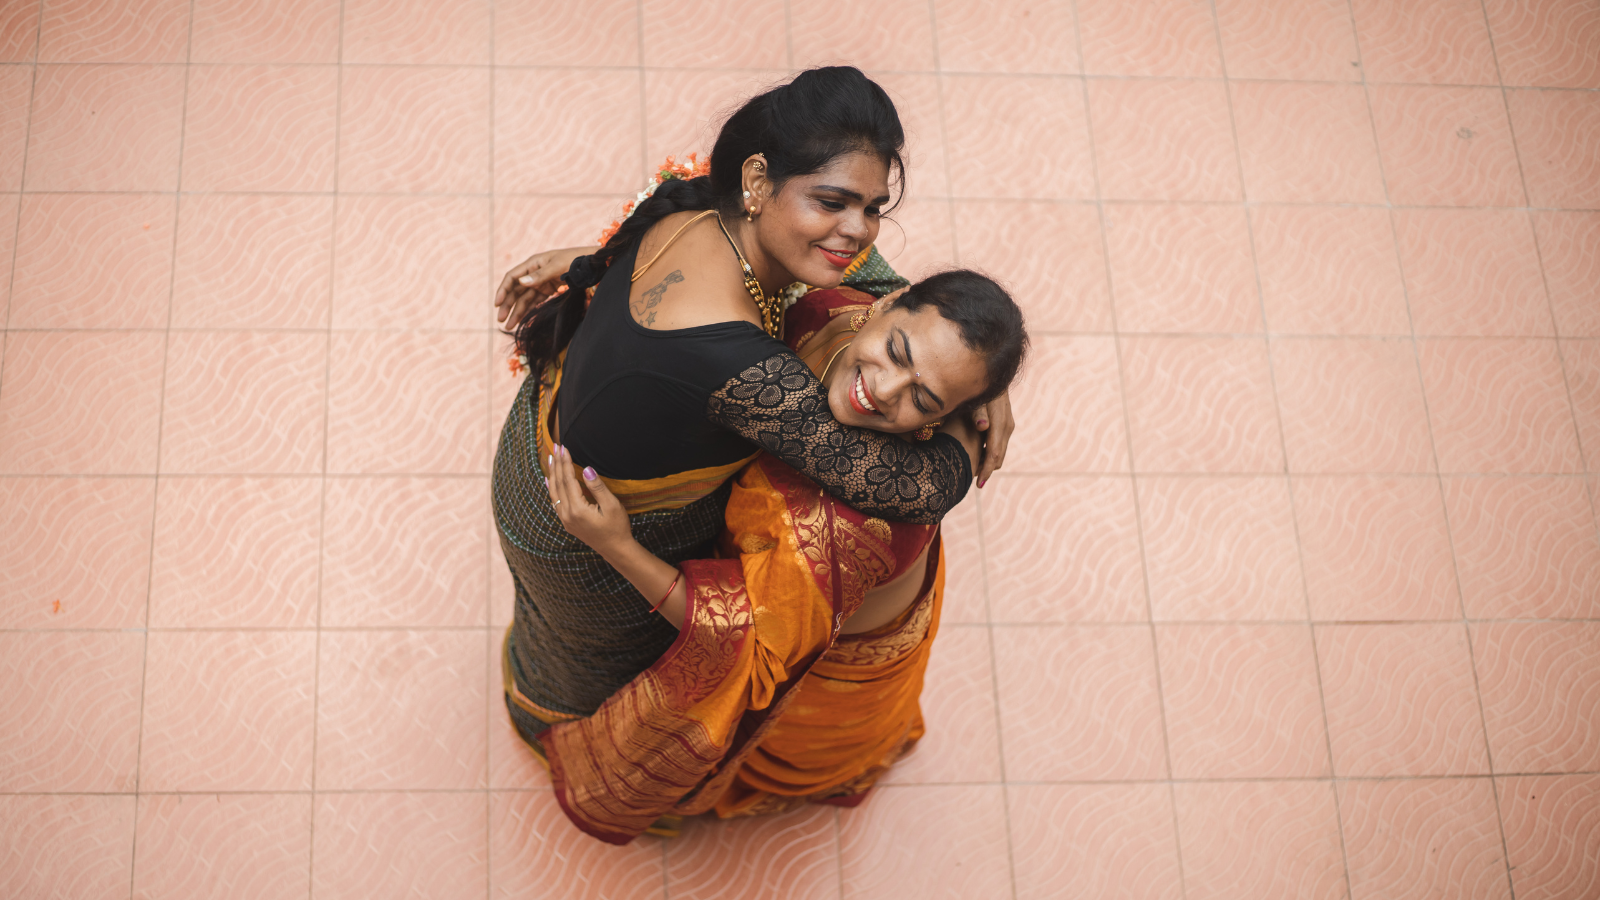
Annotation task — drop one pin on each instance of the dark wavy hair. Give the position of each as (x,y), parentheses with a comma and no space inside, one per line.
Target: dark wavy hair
(989,321)
(800,127)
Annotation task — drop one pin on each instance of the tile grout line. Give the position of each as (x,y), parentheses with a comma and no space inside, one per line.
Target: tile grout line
(22,182)
(327,416)
(1127,433)
(1555,329)
(491,446)
(1283,444)
(161,415)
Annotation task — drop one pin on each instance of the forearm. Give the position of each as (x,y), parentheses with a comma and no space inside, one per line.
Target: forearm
(650,576)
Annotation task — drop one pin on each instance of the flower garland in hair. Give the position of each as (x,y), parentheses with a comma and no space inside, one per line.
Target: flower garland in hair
(671,170)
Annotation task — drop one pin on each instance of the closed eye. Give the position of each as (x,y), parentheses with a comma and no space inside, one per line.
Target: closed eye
(916,393)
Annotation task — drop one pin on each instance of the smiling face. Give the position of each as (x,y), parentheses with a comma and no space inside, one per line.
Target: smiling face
(904,370)
(815,224)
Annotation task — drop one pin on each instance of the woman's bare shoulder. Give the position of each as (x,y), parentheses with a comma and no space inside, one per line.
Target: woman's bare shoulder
(695,280)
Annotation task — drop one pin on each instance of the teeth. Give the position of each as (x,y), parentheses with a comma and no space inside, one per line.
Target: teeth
(861,395)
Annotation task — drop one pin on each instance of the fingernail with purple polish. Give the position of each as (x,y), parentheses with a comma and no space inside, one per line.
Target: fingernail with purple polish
(589,473)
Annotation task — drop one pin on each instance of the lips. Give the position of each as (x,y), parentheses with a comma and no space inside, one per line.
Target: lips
(860,399)
(839,258)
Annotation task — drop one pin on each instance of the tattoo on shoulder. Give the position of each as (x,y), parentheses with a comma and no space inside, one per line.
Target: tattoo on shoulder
(653,296)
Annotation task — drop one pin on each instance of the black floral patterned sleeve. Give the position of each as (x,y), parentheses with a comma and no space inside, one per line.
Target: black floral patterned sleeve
(779,405)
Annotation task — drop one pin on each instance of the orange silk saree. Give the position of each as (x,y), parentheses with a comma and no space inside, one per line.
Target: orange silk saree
(761,705)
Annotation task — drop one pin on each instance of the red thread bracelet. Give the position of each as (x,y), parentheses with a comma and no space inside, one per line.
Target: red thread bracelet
(670,588)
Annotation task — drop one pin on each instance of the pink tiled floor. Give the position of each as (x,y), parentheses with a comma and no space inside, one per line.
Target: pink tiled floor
(1291,587)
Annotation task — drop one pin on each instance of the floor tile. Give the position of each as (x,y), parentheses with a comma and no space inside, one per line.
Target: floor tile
(127,31)
(1426,41)
(684,110)
(1540,684)
(1068,406)
(16,98)
(1351,405)
(720,34)
(404,552)
(966,598)
(1329,270)
(1446,146)
(1553,130)
(1552,828)
(19,32)
(1148,37)
(1182,269)
(116,399)
(1201,405)
(1309,41)
(1375,549)
(1220,549)
(1525,547)
(524,226)
(65,846)
(427,416)
(1306,143)
(1029,524)
(105,128)
(244,402)
(1049,255)
(401,710)
(534,851)
(1242,701)
(596,152)
(962,743)
(1245,840)
(1472,272)
(228,710)
(1003,38)
(1569,247)
(50,739)
(536,33)
(115,248)
(8,245)
(1079,703)
(1094,841)
(1498,406)
(1019,137)
(1163,140)
(918,101)
(236,553)
(76,552)
(894,34)
(253,261)
(900,844)
(1546,44)
(261,128)
(794,855)
(1424,838)
(418,32)
(247,846)
(920,238)
(414,130)
(1582,361)
(265,31)
(396,845)
(1401,700)
(411,262)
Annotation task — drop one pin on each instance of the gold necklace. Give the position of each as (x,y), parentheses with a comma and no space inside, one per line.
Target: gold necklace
(771,308)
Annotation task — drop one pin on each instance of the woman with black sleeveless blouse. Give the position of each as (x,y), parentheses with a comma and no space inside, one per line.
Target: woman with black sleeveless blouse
(673,376)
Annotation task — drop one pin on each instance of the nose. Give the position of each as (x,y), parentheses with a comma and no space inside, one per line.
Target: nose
(893,387)
(857,227)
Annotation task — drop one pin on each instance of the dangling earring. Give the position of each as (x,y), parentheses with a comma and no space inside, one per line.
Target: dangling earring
(750,214)
(859,320)
(925,433)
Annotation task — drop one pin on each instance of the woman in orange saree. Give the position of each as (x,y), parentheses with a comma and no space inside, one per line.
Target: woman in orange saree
(801,651)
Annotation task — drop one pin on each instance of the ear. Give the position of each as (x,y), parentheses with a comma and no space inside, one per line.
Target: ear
(888,300)
(754,174)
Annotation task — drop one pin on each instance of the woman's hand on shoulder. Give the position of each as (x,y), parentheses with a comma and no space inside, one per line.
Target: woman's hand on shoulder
(601,523)
(994,420)
(533,281)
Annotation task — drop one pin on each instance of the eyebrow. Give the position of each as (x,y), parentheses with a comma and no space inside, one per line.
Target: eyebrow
(846,192)
(905,347)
